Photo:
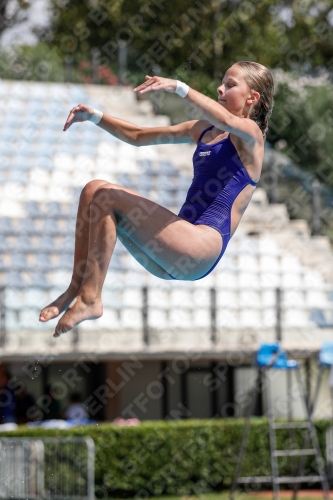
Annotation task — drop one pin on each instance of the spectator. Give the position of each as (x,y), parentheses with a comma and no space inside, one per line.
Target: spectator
(76,410)
(53,411)
(24,401)
(7,398)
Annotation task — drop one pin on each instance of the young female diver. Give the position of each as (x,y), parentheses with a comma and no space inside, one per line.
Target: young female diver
(227,165)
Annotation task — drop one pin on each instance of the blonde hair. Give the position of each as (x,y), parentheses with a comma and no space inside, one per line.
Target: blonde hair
(258,78)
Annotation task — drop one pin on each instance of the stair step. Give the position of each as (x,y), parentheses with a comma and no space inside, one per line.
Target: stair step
(291,425)
(293,453)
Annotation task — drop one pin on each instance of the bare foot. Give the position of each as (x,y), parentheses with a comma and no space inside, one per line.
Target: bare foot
(57,306)
(81,310)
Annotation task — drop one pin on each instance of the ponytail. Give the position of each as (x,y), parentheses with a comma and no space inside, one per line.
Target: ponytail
(258,78)
(261,114)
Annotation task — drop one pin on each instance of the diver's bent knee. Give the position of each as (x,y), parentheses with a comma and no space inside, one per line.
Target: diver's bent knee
(103,196)
(90,188)
(107,195)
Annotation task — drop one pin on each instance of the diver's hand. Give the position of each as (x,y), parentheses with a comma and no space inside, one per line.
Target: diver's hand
(157,83)
(80,113)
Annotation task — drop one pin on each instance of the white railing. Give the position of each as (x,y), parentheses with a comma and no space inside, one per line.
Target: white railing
(47,468)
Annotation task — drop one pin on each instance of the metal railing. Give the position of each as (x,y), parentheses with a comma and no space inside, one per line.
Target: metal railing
(2,317)
(329,453)
(47,468)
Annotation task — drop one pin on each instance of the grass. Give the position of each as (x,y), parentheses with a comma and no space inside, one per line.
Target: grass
(238,496)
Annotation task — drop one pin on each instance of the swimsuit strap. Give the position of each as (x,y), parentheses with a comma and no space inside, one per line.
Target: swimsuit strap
(252,182)
(206,130)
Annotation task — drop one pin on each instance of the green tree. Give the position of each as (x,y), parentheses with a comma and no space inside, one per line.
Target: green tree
(195,35)
(302,118)
(12,13)
(39,62)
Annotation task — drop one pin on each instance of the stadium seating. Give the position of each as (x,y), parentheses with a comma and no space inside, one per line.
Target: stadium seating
(42,171)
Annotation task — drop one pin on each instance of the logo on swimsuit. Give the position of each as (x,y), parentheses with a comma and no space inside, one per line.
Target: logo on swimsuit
(204,153)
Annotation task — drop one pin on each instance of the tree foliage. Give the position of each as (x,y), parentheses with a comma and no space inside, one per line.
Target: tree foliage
(196,41)
(302,121)
(40,62)
(12,13)
(196,35)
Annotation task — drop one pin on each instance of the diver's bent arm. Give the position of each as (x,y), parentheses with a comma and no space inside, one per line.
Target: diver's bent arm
(144,136)
(220,117)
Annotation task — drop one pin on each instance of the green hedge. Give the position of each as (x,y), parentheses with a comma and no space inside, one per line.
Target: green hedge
(177,457)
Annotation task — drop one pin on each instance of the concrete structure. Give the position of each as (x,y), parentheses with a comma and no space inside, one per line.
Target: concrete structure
(160,347)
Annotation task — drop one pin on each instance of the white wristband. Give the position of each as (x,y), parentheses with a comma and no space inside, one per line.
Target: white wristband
(96,116)
(182,89)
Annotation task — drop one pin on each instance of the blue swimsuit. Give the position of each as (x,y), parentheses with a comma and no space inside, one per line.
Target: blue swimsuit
(219,177)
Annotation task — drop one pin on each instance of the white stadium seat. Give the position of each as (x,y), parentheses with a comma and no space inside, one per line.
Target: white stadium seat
(40,177)
(293,298)
(250,298)
(201,298)
(312,279)
(226,299)
(63,161)
(109,321)
(159,298)
(291,280)
(42,173)
(157,319)
(132,297)
(202,318)
(35,193)
(227,280)
(227,319)
(268,317)
(180,318)
(249,280)
(181,299)
(250,318)
(80,178)
(290,263)
(297,318)
(317,298)
(148,153)
(267,246)
(60,177)
(269,263)
(268,298)
(131,318)
(270,280)
(107,150)
(247,263)
(84,163)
